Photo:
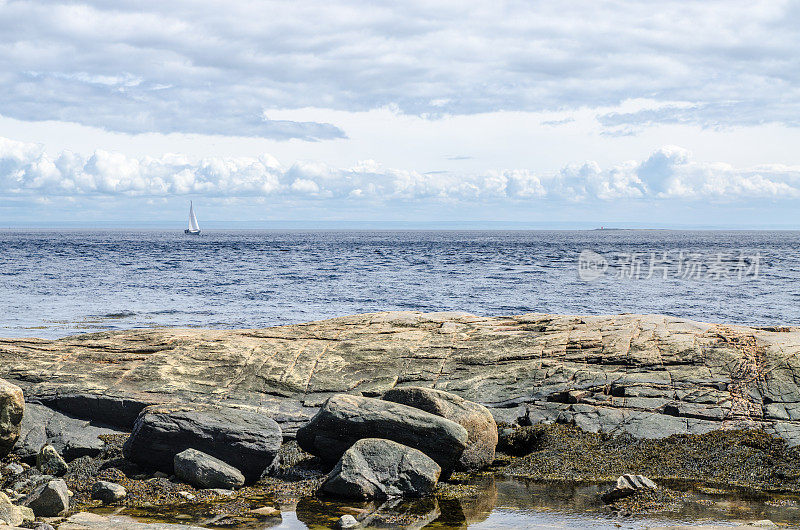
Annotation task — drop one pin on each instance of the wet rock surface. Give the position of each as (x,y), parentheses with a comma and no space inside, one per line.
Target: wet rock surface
(345,419)
(12,404)
(246,440)
(347,521)
(89,521)
(377,468)
(476,419)
(467,498)
(646,375)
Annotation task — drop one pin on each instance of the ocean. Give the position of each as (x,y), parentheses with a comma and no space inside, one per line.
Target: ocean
(57,283)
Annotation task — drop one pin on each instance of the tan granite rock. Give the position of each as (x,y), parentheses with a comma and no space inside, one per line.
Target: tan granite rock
(647,375)
(476,419)
(12,405)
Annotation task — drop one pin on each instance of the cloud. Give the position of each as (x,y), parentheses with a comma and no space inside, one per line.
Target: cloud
(670,173)
(556,123)
(216,67)
(127,104)
(708,115)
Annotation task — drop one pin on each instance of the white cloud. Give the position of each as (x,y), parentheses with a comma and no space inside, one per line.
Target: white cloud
(305,186)
(669,173)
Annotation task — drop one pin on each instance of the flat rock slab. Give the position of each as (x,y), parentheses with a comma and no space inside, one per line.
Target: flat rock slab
(91,521)
(647,375)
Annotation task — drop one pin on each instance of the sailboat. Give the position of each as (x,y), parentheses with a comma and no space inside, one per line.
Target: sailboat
(194,228)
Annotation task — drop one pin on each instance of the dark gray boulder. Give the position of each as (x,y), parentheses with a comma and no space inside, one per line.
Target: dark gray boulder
(49,500)
(345,419)
(376,468)
(475,418)
(118,411)
(245,440)
(71,437)
(206,472)
(108,492)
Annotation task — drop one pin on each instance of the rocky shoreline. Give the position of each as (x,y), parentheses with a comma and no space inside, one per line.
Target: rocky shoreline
(221,427)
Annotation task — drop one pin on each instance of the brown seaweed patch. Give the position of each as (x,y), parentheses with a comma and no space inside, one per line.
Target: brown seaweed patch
(741,458)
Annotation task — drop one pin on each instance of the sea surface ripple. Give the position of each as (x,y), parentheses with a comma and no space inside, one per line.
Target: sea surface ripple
(57,283)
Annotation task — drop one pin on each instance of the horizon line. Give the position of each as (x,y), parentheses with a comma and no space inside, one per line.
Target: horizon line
(213,225)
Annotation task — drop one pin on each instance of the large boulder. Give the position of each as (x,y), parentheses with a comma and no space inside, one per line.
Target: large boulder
(345,419)
(377,468)
(476,419)
(12,405)
(245,440)
(206,472)
(71,437)
(49,500)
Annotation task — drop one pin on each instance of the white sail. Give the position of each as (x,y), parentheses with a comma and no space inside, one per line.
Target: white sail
(193,226)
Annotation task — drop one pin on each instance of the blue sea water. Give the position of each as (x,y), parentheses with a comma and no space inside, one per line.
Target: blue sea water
(56,283)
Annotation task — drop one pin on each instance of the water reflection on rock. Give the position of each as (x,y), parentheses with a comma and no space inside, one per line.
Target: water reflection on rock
(408,513)
(472,505)
(498,501)
(559,496)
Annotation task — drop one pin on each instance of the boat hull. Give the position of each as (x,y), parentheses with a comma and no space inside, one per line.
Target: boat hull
(192,232)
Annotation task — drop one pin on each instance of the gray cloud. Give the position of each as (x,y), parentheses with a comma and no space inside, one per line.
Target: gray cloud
(213,67)
(125,103)
(669,173)
(712,115)
(556,123)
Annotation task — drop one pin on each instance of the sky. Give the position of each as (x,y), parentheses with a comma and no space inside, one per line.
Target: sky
(674,114)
